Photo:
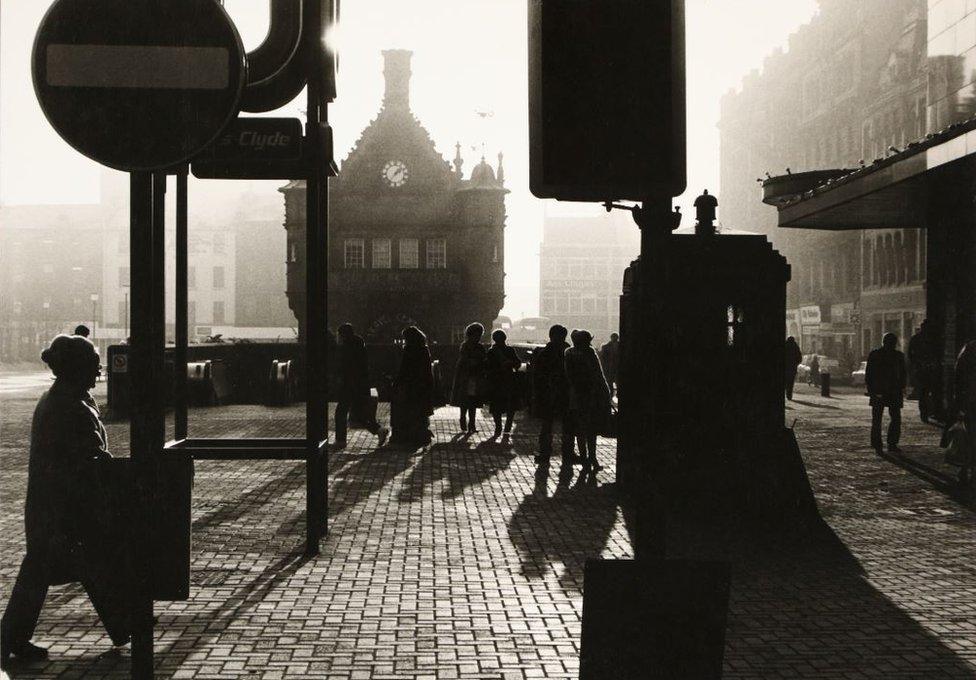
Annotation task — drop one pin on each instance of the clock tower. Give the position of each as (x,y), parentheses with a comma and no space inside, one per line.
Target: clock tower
(412,241)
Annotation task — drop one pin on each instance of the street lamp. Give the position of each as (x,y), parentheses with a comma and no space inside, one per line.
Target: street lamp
(125,286)
(94,301)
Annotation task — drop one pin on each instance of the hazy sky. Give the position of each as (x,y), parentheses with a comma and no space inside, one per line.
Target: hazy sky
(468,55)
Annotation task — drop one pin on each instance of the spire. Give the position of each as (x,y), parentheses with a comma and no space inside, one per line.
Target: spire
(458,161)
(501,169)
(396,71)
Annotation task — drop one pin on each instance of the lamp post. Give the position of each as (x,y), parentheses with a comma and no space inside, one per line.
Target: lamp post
(125,287)
(94,301)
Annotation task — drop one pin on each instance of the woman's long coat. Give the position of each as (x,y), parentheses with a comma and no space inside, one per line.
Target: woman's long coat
(502,364)
(63,507)
(589,394)
(470,367)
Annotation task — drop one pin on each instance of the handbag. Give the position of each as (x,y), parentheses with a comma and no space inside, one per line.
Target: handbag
(610,423)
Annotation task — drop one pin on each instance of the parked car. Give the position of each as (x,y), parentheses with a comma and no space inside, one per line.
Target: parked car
(827,365)
(857,377)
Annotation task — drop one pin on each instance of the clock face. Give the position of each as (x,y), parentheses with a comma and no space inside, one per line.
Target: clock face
(395,173)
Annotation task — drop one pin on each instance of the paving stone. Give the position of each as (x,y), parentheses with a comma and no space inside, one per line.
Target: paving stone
(456,561)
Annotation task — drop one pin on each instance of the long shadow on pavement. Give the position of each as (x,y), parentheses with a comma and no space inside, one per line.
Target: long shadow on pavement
(568,527)
(458,468)
(802,606)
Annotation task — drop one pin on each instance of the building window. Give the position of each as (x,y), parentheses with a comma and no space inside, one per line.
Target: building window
(219,244)
(293,252)
(354,253)
(191,278)
(437,253)
(123,277)
(409,253)
(381,253)
(734,319)
(494,253)
(218,313)
(218,278)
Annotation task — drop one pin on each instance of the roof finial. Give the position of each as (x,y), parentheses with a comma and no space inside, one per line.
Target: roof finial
(458,161)
(501,169)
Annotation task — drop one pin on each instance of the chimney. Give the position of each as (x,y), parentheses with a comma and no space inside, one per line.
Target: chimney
(396,70)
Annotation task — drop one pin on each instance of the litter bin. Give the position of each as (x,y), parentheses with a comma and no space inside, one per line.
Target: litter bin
(825,384)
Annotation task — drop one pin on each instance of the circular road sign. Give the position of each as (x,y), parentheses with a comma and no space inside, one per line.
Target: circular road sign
(138,84)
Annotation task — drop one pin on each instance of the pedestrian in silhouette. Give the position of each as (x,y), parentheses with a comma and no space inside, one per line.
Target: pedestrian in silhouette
(923,365)
(352,390)
(793,359)
(610,358)
(964,403)
(64,530)
(550,389)
(589,396)
(413,392)
(814,377)
(502,366)
(885,379)
(82,330)
(468,387)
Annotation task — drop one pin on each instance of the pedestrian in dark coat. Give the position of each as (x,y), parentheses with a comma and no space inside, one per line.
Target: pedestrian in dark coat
(813,378)
(589,396)
(413,392)
(610,359)
(793,360)
(885,379)
(352,391)
(467,389)
(550,389)
(63,535)
(502,366)
(923,366)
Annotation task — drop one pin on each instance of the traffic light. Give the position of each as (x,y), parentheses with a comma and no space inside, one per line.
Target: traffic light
(606,99)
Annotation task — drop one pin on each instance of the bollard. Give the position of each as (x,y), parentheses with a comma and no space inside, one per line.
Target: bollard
(825,384)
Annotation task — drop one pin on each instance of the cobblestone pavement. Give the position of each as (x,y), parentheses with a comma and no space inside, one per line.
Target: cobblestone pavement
(459,561)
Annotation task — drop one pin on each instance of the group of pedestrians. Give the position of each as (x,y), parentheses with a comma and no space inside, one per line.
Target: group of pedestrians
(412,400)
(486,376)
(570,388)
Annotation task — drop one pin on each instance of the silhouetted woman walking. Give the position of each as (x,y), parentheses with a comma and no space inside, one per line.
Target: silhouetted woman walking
(469,376)
(503,363)
(413,392)
(589,395)
(65,531)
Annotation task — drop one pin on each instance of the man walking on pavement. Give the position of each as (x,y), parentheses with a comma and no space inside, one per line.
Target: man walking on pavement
(923,363)
(610,359)
(793,360)
(353,388)
(885,379)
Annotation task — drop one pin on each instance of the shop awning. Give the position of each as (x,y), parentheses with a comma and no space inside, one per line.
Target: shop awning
(890,193)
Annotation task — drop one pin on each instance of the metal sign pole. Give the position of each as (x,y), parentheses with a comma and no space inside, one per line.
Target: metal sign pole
(182,299)
(316,263)
(140,371)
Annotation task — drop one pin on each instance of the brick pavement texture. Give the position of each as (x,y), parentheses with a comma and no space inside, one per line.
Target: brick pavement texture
(460,561)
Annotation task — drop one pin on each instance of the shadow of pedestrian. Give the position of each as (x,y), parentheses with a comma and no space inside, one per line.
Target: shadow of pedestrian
(455,469)
(568,527)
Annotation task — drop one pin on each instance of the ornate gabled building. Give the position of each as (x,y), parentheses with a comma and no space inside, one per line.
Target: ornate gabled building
(411,241)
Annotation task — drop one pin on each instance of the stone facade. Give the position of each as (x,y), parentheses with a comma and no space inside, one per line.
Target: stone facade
(411,241)
(850,88)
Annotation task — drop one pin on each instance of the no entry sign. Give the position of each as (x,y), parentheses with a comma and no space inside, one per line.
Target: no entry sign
(138,84)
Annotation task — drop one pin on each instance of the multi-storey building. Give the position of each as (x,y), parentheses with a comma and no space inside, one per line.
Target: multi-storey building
(50,276)
(411,241)
(929,183)
(850,88)
(582,262)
